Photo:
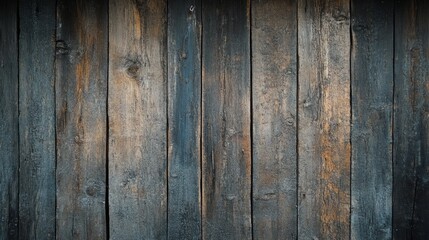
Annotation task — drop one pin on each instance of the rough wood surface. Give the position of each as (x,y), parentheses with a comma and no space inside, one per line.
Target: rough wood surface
(81,90)
(411,121)
(138,119)
(9,150)
(37,119)
(324,119)
(184,118)
(372,101)
(226,196)
(208,119)
(274,73)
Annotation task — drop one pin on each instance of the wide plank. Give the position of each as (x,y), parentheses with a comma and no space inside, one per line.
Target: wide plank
(9,130)
(274,90)
(324,119)
(372,118)
(184,119)
(411,121)
(37,119)
(138,119)
(226,122)
(81,90)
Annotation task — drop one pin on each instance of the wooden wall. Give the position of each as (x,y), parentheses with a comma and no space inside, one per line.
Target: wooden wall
(214,119)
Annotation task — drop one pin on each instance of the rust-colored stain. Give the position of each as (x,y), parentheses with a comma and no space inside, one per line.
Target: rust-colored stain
(82,73)
(246,145)
(137,23)
(335,155)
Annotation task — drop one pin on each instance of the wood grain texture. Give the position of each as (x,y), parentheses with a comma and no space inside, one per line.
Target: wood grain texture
(372,101)
(184,119)
(9,130)
(214,119)
(411,121)
(226,196)
(324,119)
(37,119)
(274,73)
(81,89)
(138,119)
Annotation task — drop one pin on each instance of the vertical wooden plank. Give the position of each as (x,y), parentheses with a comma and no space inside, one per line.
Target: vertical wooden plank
(411,121)
(138,119)
(226,196)
(324,119)
(81,88)
(37,119)
(9,151)
(184,111)
(274,74)
(372,101)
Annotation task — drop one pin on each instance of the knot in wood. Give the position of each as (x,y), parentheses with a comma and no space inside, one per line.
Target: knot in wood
(61,47)
(133,68)
(339,16)
(93,189)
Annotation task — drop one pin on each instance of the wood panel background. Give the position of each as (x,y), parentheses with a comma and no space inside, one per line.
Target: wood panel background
(214,119)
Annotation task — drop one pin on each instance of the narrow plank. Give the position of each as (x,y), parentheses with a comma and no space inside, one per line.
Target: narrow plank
(184,118)
(9,132)
(274,74)
(411,121)
(324,119)
(226,163)
(37,119)
(138,119)
(81,88)
(372,101)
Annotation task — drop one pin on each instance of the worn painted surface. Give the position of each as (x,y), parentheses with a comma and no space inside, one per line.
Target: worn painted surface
(37,118)
(138,119)
(274,90)
(184,119)
(208,119)
(411,121)
(324,119)
(81,94)
(9,132)
(226,163)
(372,106)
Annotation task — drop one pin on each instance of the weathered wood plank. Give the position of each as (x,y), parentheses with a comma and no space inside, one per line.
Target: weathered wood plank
(372,101)
(274,73)
(324,119)
(226,196)
(184,118)
(37,119)
(9,132)
(411,121)
(81,88)
(138,119)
